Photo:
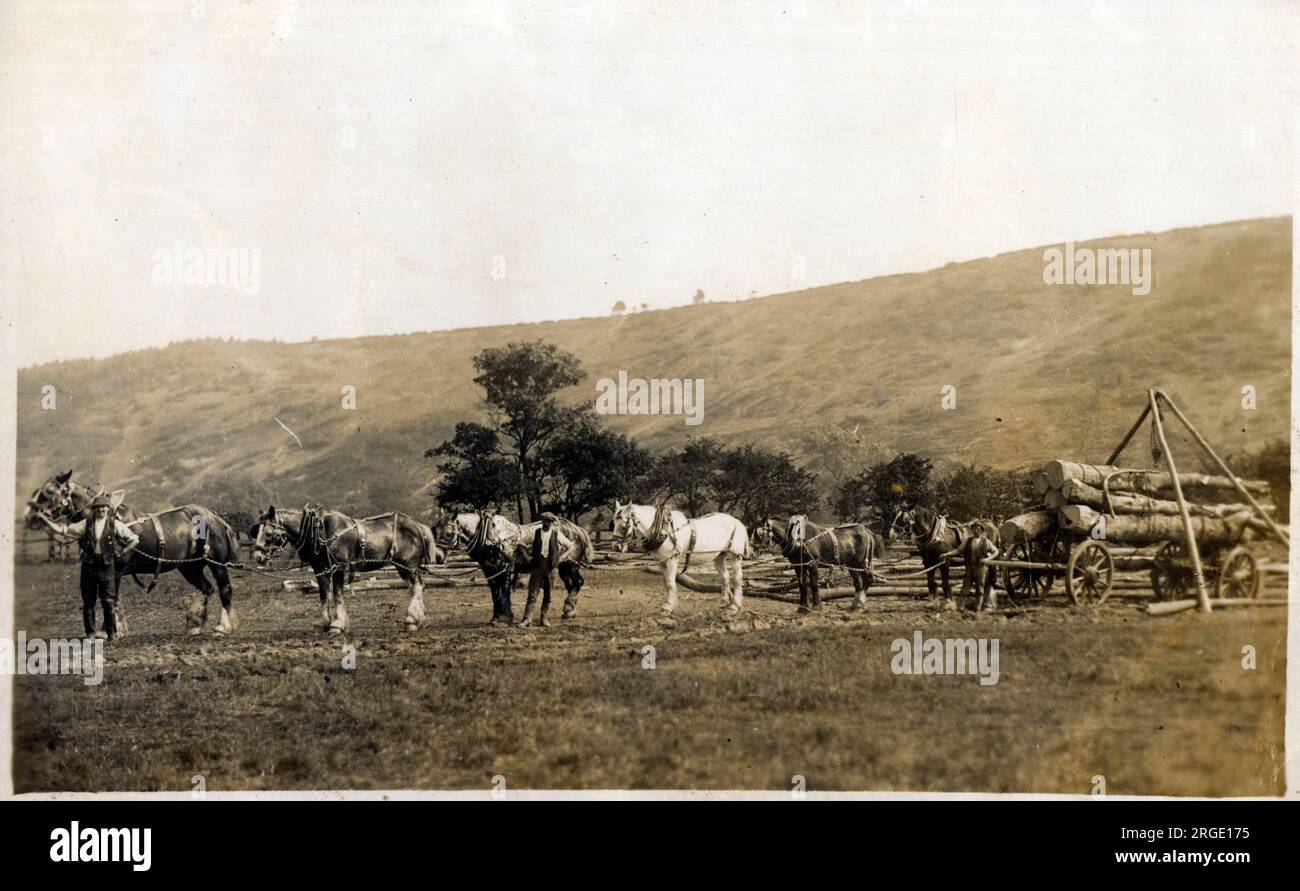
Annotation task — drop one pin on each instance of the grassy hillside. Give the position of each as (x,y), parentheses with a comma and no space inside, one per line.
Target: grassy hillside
(1040,371)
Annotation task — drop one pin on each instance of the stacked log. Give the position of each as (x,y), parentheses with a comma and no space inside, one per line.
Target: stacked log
(1138,506)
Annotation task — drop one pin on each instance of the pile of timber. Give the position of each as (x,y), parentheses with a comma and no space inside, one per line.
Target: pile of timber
(1138,506)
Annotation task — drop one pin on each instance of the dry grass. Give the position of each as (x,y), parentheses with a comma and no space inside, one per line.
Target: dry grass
(1156,706)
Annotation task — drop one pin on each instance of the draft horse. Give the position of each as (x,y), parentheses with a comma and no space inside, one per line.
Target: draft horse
(337,546)
(501,548)
(188,539)
(673,539)
(937,540)
(809,546)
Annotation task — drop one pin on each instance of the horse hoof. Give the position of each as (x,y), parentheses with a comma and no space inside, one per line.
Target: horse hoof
(195,632)
(220,632)
(334,632)
(412,626)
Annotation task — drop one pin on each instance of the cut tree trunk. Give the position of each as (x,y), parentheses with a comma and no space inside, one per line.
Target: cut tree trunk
(1078,492)
(1128,529)
(1145,482)
(1026,527)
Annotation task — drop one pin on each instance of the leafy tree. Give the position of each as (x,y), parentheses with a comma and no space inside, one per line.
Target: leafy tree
(586,465)
(688,476)
(753,482)
(619,308)
(520,382)
(972,491)
(699,296)
(1271,463)
(479,473)
(877,495)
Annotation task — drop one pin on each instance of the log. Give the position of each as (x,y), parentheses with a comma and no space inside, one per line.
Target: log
(1079,492)
(1026,527)
(1038,479)
(1146,482)
(1131,529)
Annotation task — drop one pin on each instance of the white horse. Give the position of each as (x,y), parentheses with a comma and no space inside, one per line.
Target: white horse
(670,537)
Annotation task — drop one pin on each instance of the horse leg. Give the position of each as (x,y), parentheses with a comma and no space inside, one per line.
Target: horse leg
(990,592)
(198,613)
(816,587)
(326,602)
(572,578)
(339,624)
(669,568)
(724,578)
(228,621)
(801,575)
(930,582)
(120,604)
(738,592)
(948,602)
(859,576)
(414,609)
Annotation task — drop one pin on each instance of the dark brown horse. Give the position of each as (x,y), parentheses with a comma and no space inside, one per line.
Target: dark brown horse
(502,547)
(337,546)
(187,539)
(808,547)
(937,540)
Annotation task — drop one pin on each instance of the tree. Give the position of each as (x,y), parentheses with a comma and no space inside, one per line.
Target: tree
(480,473)
(688,475)
(619,308)
(587,465)
(753,483)
(972,491)
(839,453)
(237,498)
(699,296)
(520,382)
(879,493)
(1272,464)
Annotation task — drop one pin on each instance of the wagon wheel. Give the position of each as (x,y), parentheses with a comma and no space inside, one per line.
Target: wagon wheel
(1090,573)
(1239,575)
(1026,584)
(1171,571)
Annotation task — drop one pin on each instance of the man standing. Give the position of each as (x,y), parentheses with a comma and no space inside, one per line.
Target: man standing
(100,536)
(548,547)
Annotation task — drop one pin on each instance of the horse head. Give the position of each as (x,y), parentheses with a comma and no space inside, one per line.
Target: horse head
(54,498)
(623,524)
(768,531)
(271,536)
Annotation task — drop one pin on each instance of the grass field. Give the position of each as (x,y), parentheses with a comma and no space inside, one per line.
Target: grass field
(1156,706)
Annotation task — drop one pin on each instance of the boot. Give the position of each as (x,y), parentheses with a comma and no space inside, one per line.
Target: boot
(527,620)
(541,618)
(88,620)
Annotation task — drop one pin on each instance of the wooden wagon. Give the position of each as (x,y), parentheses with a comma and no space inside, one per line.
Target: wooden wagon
(1097,519)
(1087,566)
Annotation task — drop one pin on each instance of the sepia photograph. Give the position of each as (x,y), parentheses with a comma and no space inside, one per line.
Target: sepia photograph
(758,400)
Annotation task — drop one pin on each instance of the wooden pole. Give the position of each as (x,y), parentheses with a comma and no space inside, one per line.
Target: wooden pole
(1202,595)
(1114,456)
(1200,440)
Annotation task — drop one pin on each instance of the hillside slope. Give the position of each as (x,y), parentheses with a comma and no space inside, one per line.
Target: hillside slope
(1039,371)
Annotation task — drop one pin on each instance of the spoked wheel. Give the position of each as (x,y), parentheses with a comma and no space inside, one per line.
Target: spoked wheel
(1239,575)
(1026,584)
(1171,571)
(1090,574)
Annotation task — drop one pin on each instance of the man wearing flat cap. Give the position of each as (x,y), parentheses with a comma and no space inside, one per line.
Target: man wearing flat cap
(105,540)
(549,546)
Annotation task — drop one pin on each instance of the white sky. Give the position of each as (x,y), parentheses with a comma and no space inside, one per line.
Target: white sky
(606,151)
